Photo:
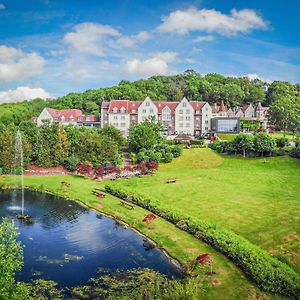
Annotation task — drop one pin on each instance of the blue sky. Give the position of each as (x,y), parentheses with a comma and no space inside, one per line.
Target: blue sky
(50,48)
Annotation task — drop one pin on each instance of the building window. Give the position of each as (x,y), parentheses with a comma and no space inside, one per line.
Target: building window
(188,111)
(197,112)
(180,118)
(115,110)
(188,118)
(144,111)
(116,124)
(147,103)
(134,111)
(184,104)
(206,122)
(122,117)
(180,125)
(79,119)
(166,116)
(187,125)
(63,119)
(123,124)
(206,128)
(151,111)
(206,115)
(115,117)
(181,111)
(122,110)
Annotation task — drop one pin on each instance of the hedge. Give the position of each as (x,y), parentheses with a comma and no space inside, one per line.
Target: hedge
(270,274)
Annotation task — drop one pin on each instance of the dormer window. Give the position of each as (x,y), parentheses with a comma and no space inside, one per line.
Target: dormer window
(63,119)
(122,110)
(115,110)
(134,111)
(80,119)
(88,118)
(71,119)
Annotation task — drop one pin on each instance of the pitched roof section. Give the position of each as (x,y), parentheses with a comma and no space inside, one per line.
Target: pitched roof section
(197,105)
(118,104)
(162,104)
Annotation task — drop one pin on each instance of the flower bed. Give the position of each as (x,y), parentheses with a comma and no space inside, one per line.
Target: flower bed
(267,272)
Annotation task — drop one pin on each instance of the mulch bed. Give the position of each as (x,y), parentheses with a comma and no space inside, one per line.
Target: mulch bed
(43,171)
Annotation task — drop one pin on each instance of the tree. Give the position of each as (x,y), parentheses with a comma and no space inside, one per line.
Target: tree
(263,143)
(113,133)
(144,136)
(284,112)
(11,261)
(243,143)
(62,146)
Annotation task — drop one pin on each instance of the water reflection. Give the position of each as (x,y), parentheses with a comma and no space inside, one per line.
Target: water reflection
(68,243)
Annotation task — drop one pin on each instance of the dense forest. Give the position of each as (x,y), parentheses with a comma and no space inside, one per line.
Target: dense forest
(213,88)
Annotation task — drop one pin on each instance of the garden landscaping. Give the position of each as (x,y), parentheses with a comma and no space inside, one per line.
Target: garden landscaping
(233,193)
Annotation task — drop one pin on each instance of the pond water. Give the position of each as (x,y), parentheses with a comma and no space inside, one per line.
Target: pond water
(69,243)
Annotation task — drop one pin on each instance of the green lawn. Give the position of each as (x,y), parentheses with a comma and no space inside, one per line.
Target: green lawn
(230,282)
(258,200)
(276,135)
(227,136)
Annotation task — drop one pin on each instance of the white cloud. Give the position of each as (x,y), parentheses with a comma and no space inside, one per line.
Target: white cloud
(148,67)
(167,56)
(203,38)
(2,6)
(210,20)
(129,41)
(23,93)
(90,38)
(16,64)
(253,76)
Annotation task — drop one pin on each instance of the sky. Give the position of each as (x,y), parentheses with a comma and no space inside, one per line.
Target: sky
(51,48)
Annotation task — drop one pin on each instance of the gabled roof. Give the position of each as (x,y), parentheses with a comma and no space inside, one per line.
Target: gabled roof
(197,105)
(162,104)
(223,108)
(118,104)
(105,104)
(64,113)
(215,108)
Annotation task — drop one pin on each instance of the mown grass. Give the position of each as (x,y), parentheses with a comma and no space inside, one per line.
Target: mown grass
(257,198)
(228,282)
(227,136)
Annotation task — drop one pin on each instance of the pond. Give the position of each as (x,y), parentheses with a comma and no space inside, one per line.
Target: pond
(69,243)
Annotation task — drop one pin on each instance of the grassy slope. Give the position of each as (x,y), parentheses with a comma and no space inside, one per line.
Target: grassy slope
(258,200)
(179,244)
(275,135)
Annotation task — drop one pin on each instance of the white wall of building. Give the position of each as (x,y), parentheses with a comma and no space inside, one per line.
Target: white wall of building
(206,117)
(146,110)
(120,121)
(44,116)
(184,117)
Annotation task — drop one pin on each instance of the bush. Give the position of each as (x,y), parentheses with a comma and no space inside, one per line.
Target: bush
(168,157)
(216,145)
(270,274)
(279,152)
(176,151)
(295,152)
(1,172)
(71,162)
(197,142)
(263,144)
(141,156)
(282,142)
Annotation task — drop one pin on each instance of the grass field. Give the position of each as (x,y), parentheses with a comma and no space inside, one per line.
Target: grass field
(258,200)
(231,283)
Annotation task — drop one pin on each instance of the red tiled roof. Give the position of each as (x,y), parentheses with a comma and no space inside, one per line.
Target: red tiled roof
(215,108)
(245,107)
(134,105)
(197,105)
(118,104)
(162,104)
(223,108)
(66,113)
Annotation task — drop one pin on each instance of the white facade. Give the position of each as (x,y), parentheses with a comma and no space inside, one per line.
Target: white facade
(44,116)
(120,121)
(184,117)
(206,117)
(146,110)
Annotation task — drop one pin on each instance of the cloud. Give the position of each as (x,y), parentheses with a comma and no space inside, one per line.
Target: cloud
(95,38)
(158,64)
(23,93)
(16,64)
(203,38)
(90,38)
(210,20)
(2,6)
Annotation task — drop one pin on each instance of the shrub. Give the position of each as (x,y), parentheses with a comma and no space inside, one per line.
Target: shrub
(176,151)
(168,157)
(84,168)
(216,145)
(270,274)
(263,144)
(143,168)
(197,142)
(282,142)
(141,156)
(152,165)
(295,152)
(71,162)
(279,152)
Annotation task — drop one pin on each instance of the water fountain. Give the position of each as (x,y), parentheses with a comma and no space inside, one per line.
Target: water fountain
(19,170)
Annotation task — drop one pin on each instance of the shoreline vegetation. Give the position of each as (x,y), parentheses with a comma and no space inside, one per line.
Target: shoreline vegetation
(232,283)
(178,244)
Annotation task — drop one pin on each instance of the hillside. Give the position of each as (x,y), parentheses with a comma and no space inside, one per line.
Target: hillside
(211,87)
